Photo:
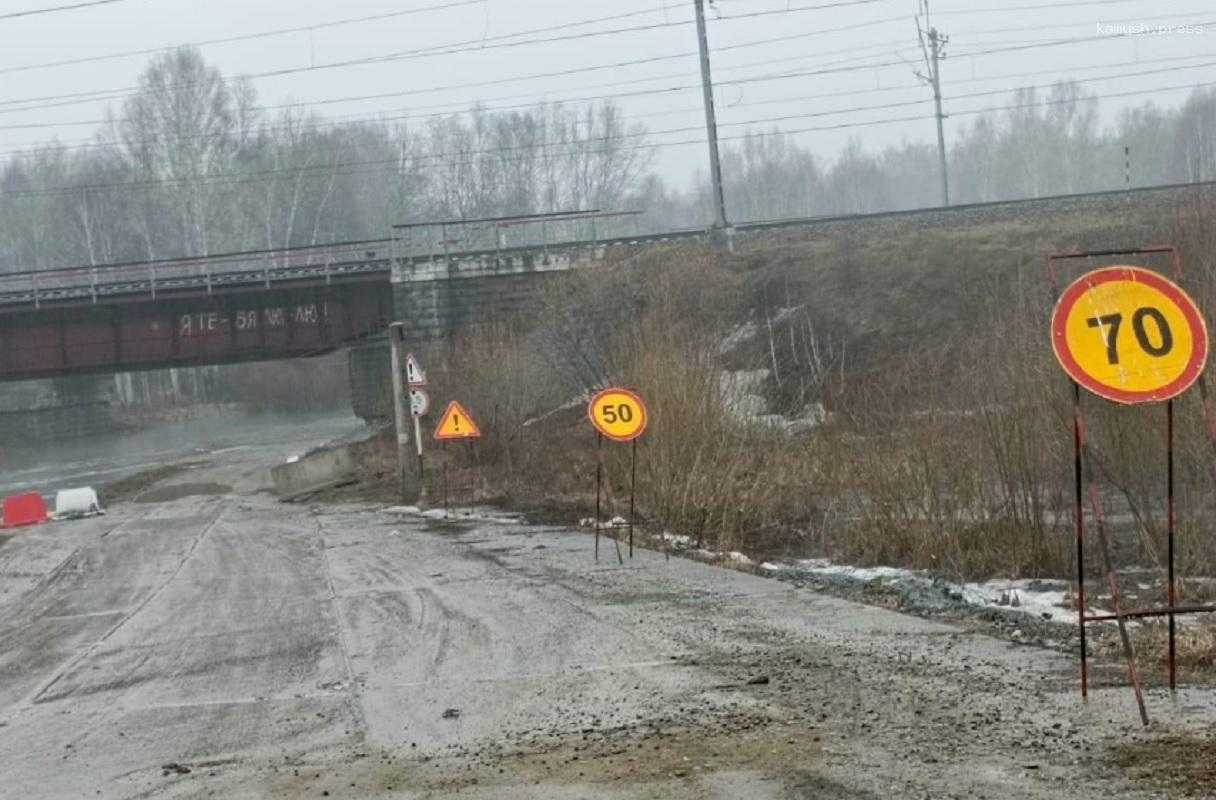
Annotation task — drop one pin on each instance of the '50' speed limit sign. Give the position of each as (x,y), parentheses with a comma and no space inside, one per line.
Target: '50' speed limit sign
(1129,335)
(619,414)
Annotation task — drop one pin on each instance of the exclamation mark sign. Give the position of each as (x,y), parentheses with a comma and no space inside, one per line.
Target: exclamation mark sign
(456,422)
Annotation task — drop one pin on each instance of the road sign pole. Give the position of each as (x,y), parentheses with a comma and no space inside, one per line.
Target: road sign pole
(620,415)
(1171,597)
(633,480)
(472,473)
(1080,526)
(421,471)
(1112,579)
(396,333)
(1163,356)
(599,469)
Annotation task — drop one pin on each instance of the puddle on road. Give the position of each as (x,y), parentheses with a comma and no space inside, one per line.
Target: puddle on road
(164,494)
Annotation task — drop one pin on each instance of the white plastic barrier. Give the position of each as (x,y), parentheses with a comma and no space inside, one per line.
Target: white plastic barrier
(76,503)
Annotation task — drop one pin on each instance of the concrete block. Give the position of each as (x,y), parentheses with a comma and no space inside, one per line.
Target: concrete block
(313,472)
(76,503)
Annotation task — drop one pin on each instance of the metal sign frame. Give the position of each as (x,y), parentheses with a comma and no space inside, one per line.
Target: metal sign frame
(1084,483)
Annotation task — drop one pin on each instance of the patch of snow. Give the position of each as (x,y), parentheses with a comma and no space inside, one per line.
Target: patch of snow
(742,333)
(572,403)
(786,312)
(750,329)
(463,513)
(741,393)
(826,567)
(1046,600)
(743,399)
(1043,599)
(739,558)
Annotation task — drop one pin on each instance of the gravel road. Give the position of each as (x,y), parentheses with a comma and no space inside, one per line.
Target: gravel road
(217,643)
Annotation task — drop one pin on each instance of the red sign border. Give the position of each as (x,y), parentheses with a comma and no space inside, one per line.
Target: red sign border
(636,398)
(456,404)
(1199,354)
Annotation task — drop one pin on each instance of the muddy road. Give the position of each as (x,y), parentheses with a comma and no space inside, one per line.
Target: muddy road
(204,640)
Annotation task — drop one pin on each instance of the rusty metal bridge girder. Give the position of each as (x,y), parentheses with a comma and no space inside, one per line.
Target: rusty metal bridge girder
(191,329)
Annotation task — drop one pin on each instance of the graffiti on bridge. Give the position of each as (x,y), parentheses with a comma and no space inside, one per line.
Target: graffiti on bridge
(205,323)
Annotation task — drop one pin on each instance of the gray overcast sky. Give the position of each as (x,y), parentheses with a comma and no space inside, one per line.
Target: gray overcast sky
(873,33)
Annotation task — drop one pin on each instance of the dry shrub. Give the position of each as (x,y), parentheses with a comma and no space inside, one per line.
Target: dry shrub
(1195,645)
(703,473)
(954,447)
(948,443)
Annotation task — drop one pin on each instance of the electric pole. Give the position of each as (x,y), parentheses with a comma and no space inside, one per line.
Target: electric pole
(933,54)
(721,229)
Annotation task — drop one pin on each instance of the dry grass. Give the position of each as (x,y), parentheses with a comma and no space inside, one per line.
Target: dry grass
(1195,646)
(948,438)
(1182,766)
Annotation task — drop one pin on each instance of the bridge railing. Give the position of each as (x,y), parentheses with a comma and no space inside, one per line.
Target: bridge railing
(35,287)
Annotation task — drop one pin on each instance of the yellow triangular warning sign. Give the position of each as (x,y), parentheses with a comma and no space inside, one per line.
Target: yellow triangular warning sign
(457,424)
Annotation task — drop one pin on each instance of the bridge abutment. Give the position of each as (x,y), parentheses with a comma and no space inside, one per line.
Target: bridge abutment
(435,299)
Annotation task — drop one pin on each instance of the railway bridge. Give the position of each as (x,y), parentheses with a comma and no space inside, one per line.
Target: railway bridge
(272,304)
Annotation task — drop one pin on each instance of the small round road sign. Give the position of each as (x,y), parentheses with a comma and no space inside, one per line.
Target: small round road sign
(1129,335)
(420,402)
(619,414)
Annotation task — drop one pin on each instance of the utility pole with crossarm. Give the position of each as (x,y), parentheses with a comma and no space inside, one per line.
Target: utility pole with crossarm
(721,228)
(932,45)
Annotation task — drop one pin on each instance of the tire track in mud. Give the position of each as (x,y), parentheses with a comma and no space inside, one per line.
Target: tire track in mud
(354,701)
(30,636)
(38,695)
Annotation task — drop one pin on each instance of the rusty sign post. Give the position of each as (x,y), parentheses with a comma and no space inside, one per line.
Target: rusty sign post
(1130,336)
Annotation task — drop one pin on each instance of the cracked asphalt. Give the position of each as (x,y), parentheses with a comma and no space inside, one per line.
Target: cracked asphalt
(219,643)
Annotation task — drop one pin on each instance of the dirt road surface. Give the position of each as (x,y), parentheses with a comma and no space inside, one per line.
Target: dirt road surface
(214,642)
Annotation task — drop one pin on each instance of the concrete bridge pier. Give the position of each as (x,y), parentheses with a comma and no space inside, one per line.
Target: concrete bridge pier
(437,298)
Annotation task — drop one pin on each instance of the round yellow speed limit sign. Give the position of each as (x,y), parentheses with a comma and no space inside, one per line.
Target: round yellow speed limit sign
(1129,335)
(619,414)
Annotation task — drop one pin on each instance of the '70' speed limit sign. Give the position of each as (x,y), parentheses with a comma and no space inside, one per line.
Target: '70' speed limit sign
(1129,335)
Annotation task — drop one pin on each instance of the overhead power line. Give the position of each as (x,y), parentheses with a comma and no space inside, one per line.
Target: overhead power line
(462,107)
(52,9)
(386,117)
(534,100)
(466,46)
(547,95)
(655,91)
(241,38)
(510,40)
